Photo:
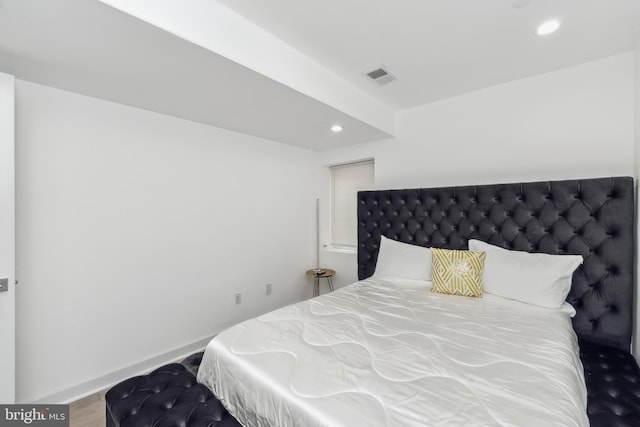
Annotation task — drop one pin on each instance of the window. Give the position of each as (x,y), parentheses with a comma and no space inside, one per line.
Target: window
(346,181)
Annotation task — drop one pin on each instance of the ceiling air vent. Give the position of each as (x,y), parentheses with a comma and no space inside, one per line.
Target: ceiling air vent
(380,75)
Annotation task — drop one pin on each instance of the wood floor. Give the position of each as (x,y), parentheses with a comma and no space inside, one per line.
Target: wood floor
(88,412)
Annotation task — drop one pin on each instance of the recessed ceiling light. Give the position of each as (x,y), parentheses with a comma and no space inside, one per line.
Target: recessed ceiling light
(548,27)
(336,128)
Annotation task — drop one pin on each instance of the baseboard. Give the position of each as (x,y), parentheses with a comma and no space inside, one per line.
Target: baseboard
(106,381)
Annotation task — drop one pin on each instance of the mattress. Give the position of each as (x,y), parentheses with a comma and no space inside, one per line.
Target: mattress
(390,353)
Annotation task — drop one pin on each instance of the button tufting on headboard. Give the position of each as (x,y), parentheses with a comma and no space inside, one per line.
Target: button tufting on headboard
(590,217)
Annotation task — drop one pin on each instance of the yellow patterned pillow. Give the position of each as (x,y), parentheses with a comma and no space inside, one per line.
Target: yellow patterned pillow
(457,272)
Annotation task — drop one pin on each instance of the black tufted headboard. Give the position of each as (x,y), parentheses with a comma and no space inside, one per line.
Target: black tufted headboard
(589,217)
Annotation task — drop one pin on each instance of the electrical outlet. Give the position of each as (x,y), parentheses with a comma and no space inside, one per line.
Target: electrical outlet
(238,298)
(268,288)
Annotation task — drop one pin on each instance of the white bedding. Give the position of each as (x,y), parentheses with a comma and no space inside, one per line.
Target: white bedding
(382,352)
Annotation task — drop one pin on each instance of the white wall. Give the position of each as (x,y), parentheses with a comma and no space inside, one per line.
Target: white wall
(135,230)
(573,123)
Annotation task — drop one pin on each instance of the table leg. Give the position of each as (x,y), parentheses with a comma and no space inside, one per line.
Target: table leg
(330,284)
(316,286)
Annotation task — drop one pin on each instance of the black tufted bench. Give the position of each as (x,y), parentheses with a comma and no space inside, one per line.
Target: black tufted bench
(613,386)
(168,396)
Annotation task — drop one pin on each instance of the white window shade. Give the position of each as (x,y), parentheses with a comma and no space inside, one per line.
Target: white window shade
(346,181)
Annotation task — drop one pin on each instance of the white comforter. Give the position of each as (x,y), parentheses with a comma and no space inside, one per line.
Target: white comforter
(390,353)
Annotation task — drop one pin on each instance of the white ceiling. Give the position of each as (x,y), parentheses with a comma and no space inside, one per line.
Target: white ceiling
(442,48)
(87,47)
(288,69)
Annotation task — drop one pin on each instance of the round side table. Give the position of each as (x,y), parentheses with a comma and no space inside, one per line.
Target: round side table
(328,274)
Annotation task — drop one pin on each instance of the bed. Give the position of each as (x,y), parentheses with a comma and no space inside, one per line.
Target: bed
(388,352)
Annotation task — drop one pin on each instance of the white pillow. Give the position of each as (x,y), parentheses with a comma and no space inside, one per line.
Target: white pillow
(539,279)
(402,260)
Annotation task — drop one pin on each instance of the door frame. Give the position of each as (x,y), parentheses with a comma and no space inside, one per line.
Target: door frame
(7,238)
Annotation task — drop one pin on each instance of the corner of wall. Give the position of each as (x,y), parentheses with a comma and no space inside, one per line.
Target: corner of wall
(635,344)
